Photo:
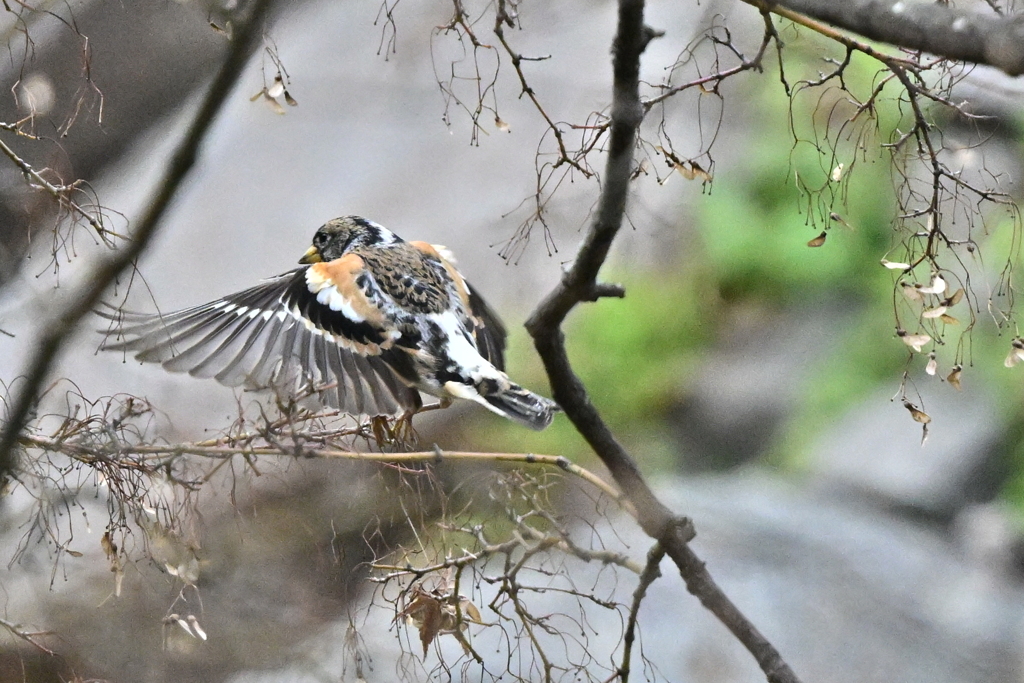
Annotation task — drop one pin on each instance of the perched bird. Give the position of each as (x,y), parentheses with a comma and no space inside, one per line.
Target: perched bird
(367,323)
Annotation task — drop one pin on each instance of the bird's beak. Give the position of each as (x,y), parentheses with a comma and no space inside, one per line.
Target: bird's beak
(312,255)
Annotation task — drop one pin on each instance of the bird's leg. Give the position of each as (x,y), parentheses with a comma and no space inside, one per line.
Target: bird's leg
(403,429)
(440,405)
(382,430)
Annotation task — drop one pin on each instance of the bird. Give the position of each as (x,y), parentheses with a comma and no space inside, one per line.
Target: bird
(366,323)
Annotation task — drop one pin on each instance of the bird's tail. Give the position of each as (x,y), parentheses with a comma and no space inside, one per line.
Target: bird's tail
(521,405)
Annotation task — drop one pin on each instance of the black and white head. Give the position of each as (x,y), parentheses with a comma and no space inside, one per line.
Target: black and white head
(338,236)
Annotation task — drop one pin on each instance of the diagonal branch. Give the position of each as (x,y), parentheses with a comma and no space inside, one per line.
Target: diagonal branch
(58,329)
(580,284)
(936,27)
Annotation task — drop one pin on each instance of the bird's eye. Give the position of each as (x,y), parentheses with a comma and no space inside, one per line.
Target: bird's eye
(319,239)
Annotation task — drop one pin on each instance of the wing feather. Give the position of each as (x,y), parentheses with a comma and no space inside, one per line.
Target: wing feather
(352,375)
(282,335)
(378,394)
(489,331)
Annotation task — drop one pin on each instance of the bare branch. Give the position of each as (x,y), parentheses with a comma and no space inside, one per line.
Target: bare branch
(51,341)
(30,637)
(939,28)
(652,571)
(61,193)
(579,284)
(152,457)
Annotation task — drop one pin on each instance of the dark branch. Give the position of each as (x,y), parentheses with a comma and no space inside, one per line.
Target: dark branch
(58,330)
(939,28)
(580,284)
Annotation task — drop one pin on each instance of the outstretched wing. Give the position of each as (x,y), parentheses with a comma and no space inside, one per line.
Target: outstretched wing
(312,328)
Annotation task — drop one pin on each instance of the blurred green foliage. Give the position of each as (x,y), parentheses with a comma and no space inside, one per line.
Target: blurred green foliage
(749,248)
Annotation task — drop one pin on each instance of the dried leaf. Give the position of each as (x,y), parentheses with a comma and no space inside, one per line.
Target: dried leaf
(176,555)
(955,298)
(424,612)
(833,216)
(277,89)
(501,125)
(641,169)
(118,580)
(914,341)
(469,611)
(184,626)
(948,319)
(916,413)
(223,31)
(691,170)
(290,100)
(110,550)
(108,545)
(936,312)
(1016,354)
(895,265)
(195,626)
(936,286)
(72,553)
(274,105)
(226,31)
(910,291)
(837,173)
(933,365)
(954,377)
(819,240)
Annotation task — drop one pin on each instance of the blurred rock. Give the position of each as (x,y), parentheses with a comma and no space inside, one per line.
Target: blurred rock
(876,450)
(749,384)
(846,593)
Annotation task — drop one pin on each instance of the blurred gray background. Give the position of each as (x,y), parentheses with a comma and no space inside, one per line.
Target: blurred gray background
(876,560)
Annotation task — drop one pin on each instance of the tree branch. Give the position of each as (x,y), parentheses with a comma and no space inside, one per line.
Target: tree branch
(59,328)
(580,284)
(939,28)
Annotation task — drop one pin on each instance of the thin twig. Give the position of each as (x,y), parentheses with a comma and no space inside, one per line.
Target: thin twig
(58,330)
(652,571)
(28,636)
(122,457)
(59,192)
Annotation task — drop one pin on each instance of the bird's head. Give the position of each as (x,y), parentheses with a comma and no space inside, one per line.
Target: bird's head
(337,237)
